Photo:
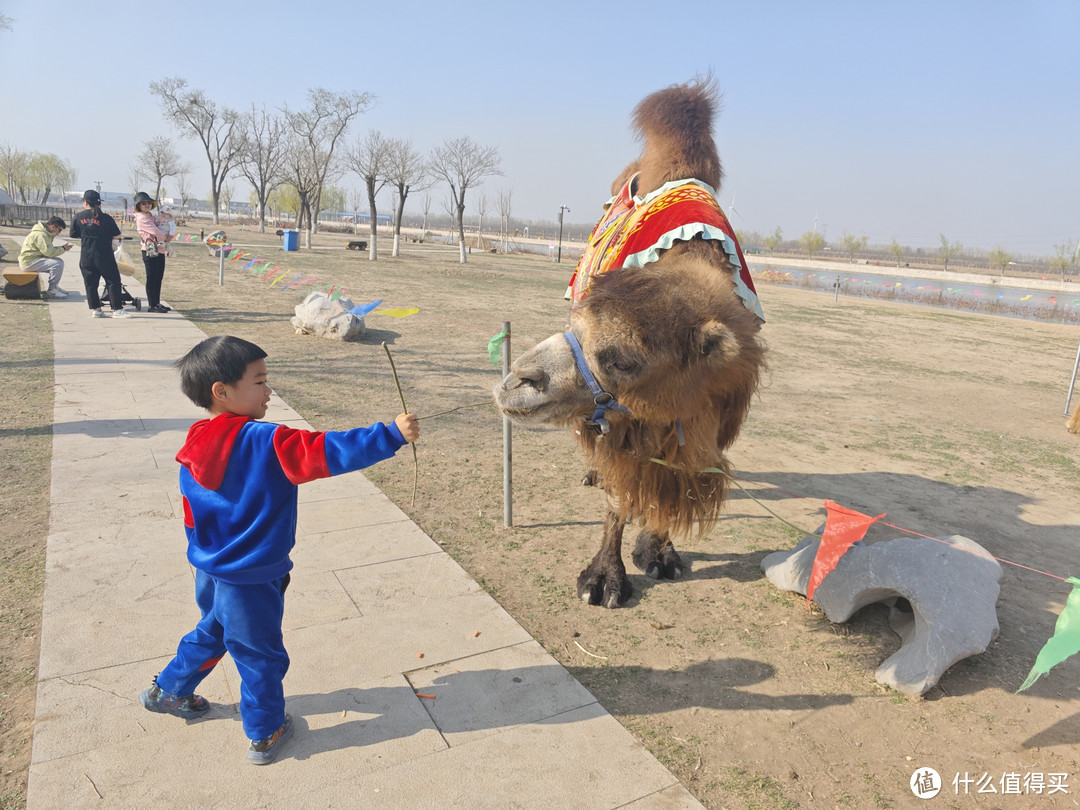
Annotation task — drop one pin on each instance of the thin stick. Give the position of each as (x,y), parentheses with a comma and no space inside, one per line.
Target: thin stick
(458,408)
(405,409)
(594,655)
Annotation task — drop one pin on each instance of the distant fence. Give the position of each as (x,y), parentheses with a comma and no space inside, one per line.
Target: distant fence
(15,214)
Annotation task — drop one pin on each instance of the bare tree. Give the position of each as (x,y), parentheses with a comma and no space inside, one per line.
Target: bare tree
(314,133)
(948,250)
(357,197)
(368,157)
(45,172)
(406,171)
(999,257)
(505,198)
(481,209)
(159,160)
(897,250)
(134,179)
(427,210)
(217,129)
(1063,257)
(449,205)
(183,188)
(12,166)
(774,240)
(463,163)
(811,242)
(226,195)
(262,159)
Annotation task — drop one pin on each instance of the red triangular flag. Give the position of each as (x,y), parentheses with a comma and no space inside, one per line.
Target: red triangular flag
(843,527)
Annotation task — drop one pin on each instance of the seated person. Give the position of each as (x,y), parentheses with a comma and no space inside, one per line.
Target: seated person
(40,255)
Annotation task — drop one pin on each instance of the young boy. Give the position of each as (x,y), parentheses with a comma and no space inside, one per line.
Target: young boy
(239,478)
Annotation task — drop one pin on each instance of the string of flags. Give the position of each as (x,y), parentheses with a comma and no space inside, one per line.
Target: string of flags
(283,278)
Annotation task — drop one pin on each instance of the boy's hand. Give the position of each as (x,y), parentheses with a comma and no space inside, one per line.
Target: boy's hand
(409,425)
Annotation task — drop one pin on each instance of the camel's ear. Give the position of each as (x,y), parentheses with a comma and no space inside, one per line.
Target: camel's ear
(717,342)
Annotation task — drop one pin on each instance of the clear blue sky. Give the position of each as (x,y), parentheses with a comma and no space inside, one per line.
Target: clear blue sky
(890,120)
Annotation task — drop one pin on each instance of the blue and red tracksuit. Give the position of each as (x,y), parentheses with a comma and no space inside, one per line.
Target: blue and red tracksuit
(239,480)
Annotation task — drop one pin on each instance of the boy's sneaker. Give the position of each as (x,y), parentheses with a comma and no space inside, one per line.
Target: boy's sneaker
(262,752)
(121,313)
(97,313)
(57,293)
(157,700)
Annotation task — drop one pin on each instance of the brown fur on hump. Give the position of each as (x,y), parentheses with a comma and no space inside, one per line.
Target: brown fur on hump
(676,124)
(659,310)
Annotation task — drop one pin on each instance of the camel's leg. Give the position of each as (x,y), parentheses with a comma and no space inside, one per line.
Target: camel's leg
(591,479)
(656,556)
(605,582)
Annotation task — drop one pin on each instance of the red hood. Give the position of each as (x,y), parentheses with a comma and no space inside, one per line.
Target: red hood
(208,447)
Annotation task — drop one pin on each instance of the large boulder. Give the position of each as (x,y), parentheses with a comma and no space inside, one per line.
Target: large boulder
(319,315)
(942,597)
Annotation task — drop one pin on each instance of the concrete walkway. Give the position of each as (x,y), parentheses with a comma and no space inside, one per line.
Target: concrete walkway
(410,687)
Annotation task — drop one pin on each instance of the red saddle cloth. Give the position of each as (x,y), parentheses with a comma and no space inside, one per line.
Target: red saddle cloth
(634,231)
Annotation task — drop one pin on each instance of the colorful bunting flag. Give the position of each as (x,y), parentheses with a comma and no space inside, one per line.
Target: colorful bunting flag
(364,309)
(843,528)
(1064,643)
(400,312)
(495,347)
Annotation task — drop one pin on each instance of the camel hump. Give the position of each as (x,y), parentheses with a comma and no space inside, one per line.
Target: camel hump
(681,111)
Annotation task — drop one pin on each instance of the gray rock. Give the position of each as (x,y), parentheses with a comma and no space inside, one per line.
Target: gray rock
(318,315)
(951,585)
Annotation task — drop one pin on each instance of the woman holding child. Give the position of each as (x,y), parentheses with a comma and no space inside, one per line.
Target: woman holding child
(154,248)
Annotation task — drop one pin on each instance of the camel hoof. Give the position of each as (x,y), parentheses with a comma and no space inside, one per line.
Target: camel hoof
(654,570)
(673,569)
(591,479)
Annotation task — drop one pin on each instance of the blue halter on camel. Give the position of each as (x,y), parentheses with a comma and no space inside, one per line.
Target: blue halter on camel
(601,398)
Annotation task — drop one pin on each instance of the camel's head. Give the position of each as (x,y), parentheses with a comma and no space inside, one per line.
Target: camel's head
(666,344)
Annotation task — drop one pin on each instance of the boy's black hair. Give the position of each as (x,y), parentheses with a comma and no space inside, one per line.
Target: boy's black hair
(57,222)
(223,358)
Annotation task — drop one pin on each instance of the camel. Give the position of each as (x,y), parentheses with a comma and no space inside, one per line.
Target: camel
(662,356)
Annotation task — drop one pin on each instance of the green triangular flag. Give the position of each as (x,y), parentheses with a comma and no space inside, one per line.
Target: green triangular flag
(1065,641)
(495,347)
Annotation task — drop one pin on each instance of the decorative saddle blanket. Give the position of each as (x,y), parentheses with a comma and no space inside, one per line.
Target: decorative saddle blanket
(634,231)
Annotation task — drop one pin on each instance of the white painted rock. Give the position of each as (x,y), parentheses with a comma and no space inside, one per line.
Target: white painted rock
(318,315)
(950,583)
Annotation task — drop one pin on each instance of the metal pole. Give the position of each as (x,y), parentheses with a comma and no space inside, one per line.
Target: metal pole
(1072,382)
(558,256)
(508,449)
(836,290)
(221,266)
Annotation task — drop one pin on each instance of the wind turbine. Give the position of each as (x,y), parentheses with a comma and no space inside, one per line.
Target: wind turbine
(731,208)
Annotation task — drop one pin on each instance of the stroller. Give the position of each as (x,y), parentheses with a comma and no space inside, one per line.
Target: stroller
(126,298)
(126,268)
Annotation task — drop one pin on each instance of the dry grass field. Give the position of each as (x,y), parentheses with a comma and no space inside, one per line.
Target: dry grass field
(950,423)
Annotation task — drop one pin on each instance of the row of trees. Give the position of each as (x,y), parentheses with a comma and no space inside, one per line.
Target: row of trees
(33,177)
(305,150)
(811,242)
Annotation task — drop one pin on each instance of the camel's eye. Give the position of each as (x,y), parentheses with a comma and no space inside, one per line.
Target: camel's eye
(616,361)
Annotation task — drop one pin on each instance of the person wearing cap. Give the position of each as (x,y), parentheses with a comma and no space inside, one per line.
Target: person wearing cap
(97,230)
(154,242)
(40,255)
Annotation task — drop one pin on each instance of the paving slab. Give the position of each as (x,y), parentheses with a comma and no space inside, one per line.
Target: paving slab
(409,685)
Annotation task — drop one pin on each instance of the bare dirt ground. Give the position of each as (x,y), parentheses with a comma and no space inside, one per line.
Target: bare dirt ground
(949,422)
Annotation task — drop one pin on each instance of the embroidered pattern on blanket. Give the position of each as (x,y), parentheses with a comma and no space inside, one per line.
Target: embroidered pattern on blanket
(634,231)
